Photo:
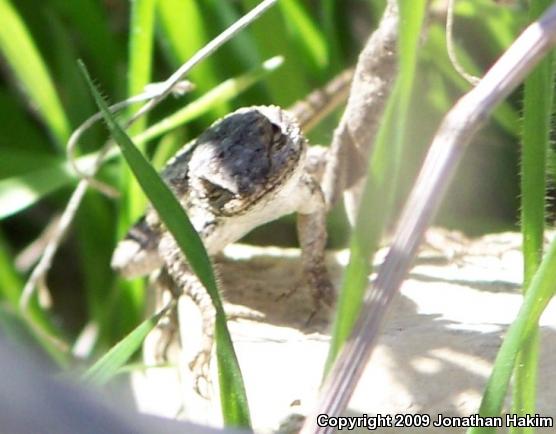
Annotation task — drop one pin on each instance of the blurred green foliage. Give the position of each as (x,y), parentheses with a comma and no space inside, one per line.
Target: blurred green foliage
(43,98)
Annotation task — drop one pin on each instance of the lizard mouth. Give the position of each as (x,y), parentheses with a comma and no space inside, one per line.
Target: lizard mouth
(241,203)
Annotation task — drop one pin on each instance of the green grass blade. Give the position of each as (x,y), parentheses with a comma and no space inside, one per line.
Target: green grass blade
(306,35)
(435,53)
(14,328)
(19,50)
(380,185)
(22,191)
(49,173)
(412,16)
(73,92)
(18,161)
(225,91)
(25,189)
(138,76)
(501,23)
(167,147)
(537,296)
(10,280)
(140,52)
(109,364)
(94,225)
(185,32)
(291,84)
(241,47)
(101,46)
(333,29)
(537,111)
(365,238)
(131,295)
(233,398)
(34,322)
(538,98)
(23,133)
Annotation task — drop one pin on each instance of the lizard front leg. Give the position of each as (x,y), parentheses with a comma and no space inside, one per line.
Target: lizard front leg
(188,285)
(311,228)
(160,343)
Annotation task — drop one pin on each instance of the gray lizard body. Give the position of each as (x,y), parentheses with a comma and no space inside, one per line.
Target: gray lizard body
(245,170)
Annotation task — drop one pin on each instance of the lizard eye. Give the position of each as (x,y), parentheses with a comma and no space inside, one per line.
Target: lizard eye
(217,196)
(278,138)
(276,132)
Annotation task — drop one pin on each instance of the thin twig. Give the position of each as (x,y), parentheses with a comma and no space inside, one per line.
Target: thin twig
(452,49)
(39,272)
(446,151)
(321,102)
(204,52)
(80,130)
(32,253)
(151,91)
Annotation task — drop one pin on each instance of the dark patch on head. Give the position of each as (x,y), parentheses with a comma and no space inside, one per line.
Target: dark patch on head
(240,158)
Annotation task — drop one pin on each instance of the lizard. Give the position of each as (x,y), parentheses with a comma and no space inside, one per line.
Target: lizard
(250,167)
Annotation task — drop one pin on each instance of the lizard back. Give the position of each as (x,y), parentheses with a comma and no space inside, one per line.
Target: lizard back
(238,174)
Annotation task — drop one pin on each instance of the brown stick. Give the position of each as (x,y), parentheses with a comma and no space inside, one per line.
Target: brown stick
(318,104)
(372,82)
(447,148)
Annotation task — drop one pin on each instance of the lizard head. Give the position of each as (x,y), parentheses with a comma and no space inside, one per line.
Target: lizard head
(244,157)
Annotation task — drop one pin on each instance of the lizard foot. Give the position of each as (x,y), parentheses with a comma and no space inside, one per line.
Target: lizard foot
(323,294)
(163,338)
(200,368)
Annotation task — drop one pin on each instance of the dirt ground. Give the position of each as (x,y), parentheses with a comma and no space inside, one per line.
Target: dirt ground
(434,355)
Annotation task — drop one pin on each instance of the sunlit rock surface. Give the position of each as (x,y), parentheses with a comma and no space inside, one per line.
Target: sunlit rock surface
(434,355)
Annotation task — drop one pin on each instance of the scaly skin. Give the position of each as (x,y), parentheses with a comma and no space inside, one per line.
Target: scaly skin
(247,169)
